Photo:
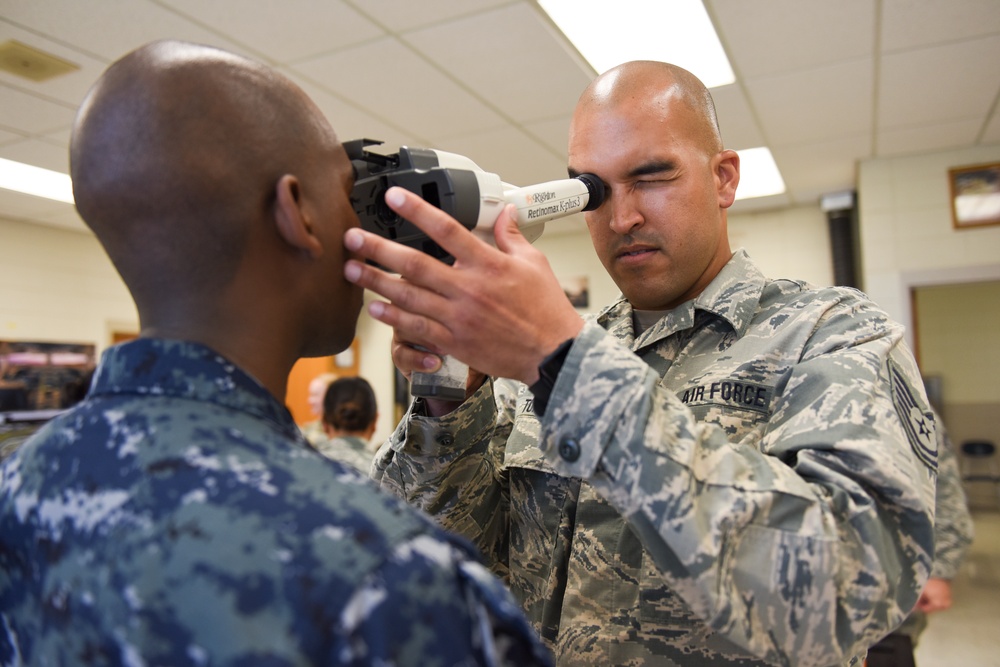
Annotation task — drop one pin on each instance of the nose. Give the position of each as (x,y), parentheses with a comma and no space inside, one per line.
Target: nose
(625,215)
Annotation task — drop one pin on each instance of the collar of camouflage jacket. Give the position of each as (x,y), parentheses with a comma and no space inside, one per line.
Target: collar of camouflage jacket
(733,296)
(182,369)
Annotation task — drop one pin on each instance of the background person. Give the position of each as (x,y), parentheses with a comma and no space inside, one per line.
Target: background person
(720,469)
(953,533)
(350,413)
(177,516)
(313,430)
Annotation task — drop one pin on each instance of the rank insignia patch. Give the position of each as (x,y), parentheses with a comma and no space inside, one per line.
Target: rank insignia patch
(918,424)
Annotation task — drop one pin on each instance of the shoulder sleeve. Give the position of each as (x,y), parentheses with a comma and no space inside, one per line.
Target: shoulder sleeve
(430,603)
(952,522)
(452,467)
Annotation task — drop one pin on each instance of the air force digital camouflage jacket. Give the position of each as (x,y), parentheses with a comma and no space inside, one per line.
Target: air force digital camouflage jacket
(953,530)
(752,476)
(349,449)
(177,517)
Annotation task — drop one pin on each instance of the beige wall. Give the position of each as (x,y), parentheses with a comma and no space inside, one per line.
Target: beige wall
(957,327)
(793,243)
(909,243)
(958,339)
(58,285)
(907,236)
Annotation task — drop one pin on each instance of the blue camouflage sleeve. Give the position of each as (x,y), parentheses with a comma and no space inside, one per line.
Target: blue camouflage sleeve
(431,604)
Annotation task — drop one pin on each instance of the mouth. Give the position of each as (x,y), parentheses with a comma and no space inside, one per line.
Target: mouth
(633,253)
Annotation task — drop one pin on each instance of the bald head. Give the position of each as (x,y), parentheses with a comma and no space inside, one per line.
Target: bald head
(174,156)
(655,85)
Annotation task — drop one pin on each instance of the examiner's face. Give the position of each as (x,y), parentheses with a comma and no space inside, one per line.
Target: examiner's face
(660,229)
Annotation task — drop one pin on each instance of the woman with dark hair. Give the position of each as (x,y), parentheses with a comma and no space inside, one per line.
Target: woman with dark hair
(349,416)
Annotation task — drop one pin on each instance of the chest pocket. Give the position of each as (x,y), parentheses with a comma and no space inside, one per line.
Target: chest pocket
(522,445)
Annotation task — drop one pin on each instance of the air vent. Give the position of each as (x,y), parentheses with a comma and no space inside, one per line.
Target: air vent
(30,63)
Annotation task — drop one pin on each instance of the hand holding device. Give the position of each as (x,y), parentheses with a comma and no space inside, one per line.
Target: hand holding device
(472,196)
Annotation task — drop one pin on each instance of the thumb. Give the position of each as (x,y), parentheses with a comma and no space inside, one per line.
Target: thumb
(506,233)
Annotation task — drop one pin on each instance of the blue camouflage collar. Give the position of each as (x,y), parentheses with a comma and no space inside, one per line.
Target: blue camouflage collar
(733,295)
(182,369)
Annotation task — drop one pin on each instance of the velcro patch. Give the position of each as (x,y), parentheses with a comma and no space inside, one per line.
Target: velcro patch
(734,393)
(918,423)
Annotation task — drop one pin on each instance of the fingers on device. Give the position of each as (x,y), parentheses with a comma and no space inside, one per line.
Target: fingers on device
(474,197)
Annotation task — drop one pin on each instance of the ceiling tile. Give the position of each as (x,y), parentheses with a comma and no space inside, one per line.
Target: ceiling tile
(283,31)
(496,54)
(31,114)
(400,15)
(494,79)
(736,120)
(348,121)
(38,153)
(389,78)
(60,136)
(813,170)
(924,138)
(108,29)
(9,137)
(908,24)
(992,133)
(69,88)
(814,105)
(554,133)
(765,38)
(518,159)
(940,83)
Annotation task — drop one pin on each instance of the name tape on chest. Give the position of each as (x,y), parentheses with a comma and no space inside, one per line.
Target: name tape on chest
(734,393)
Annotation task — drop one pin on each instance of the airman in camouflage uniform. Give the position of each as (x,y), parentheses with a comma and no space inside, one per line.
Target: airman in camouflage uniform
(953,530)
(177,516)
(350,413)
(722,469)
(349,449)
(953,533)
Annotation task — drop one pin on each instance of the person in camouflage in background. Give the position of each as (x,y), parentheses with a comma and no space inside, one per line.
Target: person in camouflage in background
(177,516)
(953,532)
(720,469)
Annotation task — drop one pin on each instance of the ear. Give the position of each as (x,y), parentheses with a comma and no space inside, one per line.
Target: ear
(727,174)
(291,220)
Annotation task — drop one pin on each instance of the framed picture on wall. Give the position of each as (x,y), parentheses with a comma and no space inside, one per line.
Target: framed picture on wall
(975,195)
(577,290)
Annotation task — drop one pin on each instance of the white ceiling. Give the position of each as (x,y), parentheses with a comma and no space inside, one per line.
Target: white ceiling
(823,84)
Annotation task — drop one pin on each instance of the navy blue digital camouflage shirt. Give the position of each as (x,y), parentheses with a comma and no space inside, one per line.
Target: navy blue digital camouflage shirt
(178,517)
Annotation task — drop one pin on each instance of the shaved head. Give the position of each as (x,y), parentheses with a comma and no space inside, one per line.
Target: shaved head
(655,85)
(174,155)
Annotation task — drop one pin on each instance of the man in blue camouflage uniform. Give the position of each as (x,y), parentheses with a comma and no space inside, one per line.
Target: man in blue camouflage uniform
(721,469)
(177,516)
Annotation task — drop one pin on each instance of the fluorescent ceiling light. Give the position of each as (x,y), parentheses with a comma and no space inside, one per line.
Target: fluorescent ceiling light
(674,31)
(759,175)
(35,181)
